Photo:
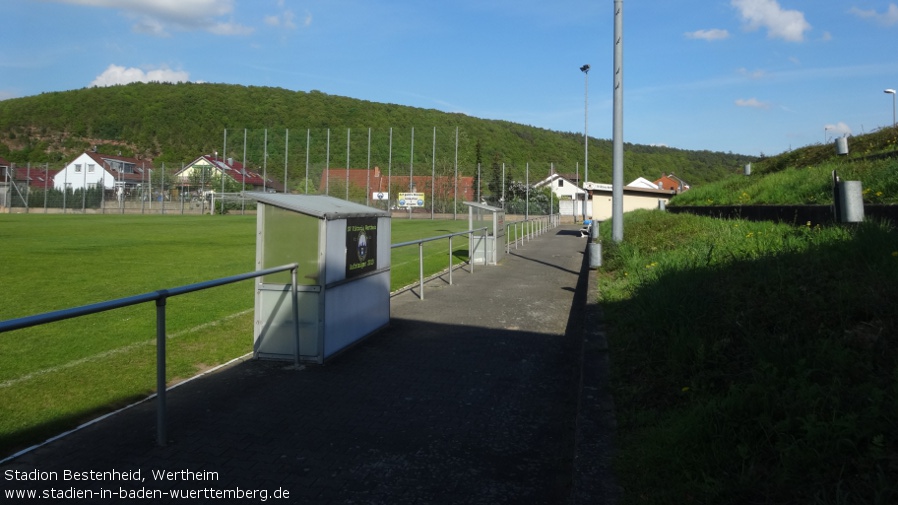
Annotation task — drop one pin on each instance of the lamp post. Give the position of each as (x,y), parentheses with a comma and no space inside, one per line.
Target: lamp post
(825,128)
(585,70)
(892,92)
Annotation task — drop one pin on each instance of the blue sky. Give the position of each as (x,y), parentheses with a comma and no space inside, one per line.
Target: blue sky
(747,76)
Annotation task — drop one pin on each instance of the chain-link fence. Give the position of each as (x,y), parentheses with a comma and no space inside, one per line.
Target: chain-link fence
(371,166)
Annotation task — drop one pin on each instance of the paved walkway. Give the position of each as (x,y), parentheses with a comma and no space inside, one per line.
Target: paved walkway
(488,391)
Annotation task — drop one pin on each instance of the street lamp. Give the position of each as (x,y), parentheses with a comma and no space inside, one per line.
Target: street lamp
(585,70)
(891,92)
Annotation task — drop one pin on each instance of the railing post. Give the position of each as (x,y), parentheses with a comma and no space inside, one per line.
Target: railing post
(471,252)
(161,438)
(450,260)
(295,296)
(421,269)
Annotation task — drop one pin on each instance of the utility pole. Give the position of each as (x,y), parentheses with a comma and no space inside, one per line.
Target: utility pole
(585,70)
(617,153)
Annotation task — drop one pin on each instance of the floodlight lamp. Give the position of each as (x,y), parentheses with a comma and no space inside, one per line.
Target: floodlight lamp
(889,91)
(584,69)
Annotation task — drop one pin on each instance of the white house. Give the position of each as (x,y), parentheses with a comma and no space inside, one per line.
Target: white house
(572,199)
(200,171)
(91,169)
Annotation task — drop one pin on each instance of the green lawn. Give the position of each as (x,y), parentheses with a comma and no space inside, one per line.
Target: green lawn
(56,375)
(753,362)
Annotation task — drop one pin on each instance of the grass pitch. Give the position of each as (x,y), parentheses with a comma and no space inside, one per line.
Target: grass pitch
(55,376)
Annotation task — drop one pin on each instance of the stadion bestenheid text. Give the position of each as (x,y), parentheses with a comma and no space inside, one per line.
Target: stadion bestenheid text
(129,484)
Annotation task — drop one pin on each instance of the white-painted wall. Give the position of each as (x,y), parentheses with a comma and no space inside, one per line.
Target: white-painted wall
(89,175)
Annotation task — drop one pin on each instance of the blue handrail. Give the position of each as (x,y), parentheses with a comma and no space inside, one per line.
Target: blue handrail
(160,297)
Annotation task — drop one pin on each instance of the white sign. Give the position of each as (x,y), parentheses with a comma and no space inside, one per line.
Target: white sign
(380,195)
(596,186)
(411,200)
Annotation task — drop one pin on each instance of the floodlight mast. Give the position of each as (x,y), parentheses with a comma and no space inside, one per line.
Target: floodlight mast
(585,70)
(891,91)
(617,151)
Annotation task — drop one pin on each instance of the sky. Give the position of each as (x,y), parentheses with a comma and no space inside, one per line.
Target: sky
(745,76)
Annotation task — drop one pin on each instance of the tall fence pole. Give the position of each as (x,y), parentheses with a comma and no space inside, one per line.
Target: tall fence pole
(243,177)
(308,143)
(368,172)
(225,160)
(455,191)
(265,163)
(433,172)
(390,171)
(347,164)
(327,165)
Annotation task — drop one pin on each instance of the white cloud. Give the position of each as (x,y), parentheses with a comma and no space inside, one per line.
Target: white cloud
(752,74)
(154,17)
(839,128)
(284,19)
(789,25)
(753,103)
(115,74)
(888,18)
(709,35)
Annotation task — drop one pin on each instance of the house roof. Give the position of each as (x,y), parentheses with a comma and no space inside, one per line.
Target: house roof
(642,182)
(554,177)
(114,165)
(34,177)
(236,171)
(671,181)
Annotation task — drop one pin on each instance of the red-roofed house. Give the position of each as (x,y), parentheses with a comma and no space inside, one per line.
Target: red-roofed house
(91,169)
(207,165)
(671,182)
(14,181)
(34,177)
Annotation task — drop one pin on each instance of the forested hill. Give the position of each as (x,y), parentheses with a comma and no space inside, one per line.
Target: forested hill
(175,123)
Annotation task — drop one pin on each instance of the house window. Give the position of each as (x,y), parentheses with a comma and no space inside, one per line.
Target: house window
(90,168)
(77,169)
(560,183)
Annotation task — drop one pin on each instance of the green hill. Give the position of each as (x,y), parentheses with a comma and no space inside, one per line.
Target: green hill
(804,176)
(175,123)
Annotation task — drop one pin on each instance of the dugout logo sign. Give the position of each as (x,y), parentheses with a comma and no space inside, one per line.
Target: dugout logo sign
(361,246)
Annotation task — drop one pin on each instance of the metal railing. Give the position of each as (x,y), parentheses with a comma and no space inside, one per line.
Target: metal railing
(160,297)
(420,242)
(529,228)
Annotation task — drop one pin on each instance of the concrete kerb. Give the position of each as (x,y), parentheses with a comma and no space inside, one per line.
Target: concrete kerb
(593,481)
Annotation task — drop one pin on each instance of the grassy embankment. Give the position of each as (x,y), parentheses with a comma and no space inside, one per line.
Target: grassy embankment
(804,176)
(753,362)
(55,376)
